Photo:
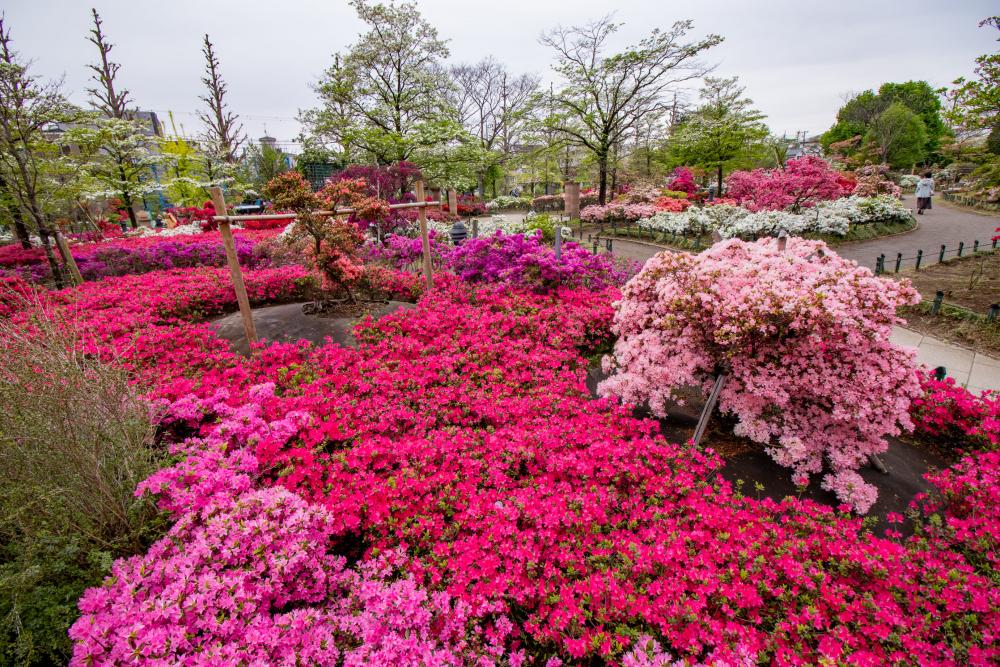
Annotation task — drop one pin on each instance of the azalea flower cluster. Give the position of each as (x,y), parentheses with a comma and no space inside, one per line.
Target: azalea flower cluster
(951,414)
(449,490)
(139,254)
(683,181)
(260,563)
(873,180)
(630,212)
(802,183)
(803,337)
(557,203)
(525,261)
(737,222)
(833,218)
(507,202)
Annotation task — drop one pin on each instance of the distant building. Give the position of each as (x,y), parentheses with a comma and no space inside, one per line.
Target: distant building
(802,146)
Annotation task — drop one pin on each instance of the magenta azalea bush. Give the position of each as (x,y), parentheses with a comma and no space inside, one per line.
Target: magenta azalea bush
(803,336)
(526,261)
(803,183)
(450,493)
(119,257)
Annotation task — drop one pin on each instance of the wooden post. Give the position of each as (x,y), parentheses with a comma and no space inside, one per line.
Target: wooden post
(219,201)
(452,202)
(425,240)
(475,228)
(558,244)
(571,199)
(68,260)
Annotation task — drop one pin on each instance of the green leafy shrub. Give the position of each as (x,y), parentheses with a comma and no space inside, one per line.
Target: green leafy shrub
(75,440)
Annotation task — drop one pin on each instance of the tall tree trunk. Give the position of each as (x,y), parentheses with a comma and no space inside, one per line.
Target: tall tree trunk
(21,229)
(602,166)
(46,236)
(482,185)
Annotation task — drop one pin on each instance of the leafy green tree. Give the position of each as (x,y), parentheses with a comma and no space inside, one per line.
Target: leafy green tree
(27,107)
(863,111)
(724,133)
(261,163)
(606,96)
(897,136)
(378,98)
(975,103)
(921,99)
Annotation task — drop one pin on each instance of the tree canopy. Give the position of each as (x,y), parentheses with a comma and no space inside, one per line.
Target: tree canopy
(605,96)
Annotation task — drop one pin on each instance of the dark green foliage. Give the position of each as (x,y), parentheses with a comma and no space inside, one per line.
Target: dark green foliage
(861,114)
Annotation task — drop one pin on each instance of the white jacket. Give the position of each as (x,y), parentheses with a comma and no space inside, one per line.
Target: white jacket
(925,187)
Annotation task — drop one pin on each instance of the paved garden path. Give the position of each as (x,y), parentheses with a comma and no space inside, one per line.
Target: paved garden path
(944,225)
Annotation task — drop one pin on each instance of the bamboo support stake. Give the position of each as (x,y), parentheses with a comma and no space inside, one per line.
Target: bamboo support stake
(424,238)
(68,260)
(706,412)
(219,201)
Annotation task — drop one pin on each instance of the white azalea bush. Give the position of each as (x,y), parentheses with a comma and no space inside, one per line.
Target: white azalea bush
(832,218)
(504,202)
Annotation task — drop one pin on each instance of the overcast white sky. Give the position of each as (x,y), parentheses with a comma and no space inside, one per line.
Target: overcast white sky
(796,57)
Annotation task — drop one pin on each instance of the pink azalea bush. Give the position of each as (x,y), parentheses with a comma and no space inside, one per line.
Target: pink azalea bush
(801,184)
(803,336)
(250,575)
(873,180)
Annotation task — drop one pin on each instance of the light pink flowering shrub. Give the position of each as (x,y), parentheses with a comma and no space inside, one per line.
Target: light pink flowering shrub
(804,337)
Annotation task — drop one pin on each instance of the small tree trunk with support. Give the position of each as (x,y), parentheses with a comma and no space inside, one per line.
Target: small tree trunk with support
(219,201)
(68,261)
(424,238)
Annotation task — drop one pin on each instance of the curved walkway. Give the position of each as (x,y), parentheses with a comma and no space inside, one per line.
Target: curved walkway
(944,225)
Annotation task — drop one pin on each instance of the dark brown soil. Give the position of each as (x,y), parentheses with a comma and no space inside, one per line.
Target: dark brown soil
(970,282)
(749,467)
(970,285)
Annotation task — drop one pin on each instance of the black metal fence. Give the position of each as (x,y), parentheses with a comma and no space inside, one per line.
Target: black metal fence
(884,264)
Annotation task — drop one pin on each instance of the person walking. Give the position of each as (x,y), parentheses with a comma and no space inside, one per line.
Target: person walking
(925,190)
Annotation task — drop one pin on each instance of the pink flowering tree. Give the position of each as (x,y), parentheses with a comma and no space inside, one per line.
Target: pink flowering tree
(801,184)
(803,336)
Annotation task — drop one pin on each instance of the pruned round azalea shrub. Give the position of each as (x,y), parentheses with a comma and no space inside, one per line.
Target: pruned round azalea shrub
(803,336)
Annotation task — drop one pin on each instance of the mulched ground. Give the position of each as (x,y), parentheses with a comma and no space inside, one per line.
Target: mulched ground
(288,323)
(970,283)
(749,467)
